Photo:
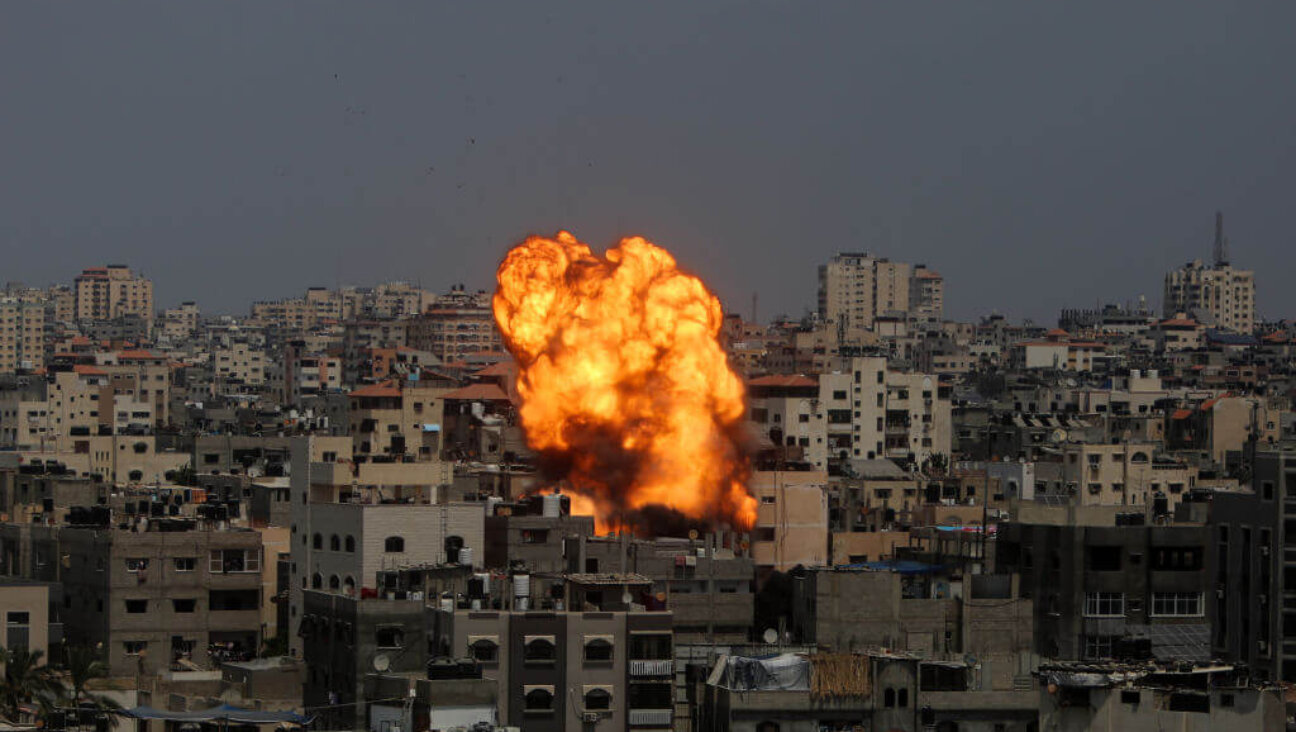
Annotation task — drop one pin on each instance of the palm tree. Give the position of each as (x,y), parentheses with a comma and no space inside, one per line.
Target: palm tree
(84,664)
(26,680)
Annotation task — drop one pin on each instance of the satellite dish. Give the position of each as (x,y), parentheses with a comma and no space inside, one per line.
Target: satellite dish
(770,636)
(661,597)
(381,662)
(693,534)
(1057,436)
(627,598)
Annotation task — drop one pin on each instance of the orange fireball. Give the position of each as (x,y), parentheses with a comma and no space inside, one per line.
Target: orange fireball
(625,390)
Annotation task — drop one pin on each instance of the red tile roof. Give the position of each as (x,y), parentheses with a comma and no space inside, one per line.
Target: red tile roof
(1181,414)
(478,392)
(385,389)
(1179,323)
(499,368)
(85,370)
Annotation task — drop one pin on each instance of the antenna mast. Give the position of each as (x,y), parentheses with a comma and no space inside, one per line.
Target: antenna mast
(1221,244)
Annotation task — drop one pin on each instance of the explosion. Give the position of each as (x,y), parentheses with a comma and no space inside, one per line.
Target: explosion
(625,391)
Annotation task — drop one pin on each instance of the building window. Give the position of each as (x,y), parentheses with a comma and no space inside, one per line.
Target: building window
(137,564)
(389,636)
(17,630)
(539,700)
(134,648)
(317,581)
(539,650)
(317,541)
(394,544)
(335,543)
(484,650)
(1104,605)
(1098,646)
(185,564)
(1177,605)
(335,582)
(598,649)
(229,561)
(186,605)
(598,700)
(350,544)
(136,606)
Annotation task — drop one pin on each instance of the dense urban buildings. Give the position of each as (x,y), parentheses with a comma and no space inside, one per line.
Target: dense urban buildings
(328,507)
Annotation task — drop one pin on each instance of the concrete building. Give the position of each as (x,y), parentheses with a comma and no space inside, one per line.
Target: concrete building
(1107,584)
(603,669)
(350,520)
(791,520)
(1123,474)
(30,618)
(1117,697)
(239,365)
(399,417)
(22,335)
(1224,294)
(857,287)
(454,326)
(877,690)
(104,293)
(180,322)
(926,295)
(1253,611)
(182,591)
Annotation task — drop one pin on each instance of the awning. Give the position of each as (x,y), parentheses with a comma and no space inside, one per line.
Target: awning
(224,712)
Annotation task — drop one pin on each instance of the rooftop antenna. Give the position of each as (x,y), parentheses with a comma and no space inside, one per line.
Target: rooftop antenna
(1221,244)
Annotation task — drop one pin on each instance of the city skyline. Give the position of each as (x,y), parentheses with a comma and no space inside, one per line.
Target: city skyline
(1000,146)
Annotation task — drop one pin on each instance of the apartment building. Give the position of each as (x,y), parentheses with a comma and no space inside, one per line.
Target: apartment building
(22,335)
(609,667)
(1224,294)
(927,295)
(398,417)
(455,326)
(173,592)
(180,322)
(1253,540)
(104,293)
(857,287)
(352,519)
(309,372)
(239,364)
(856,410)
(1108,582)
(1124,474)
(791,520)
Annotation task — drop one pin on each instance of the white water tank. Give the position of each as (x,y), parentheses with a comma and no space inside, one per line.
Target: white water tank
(521,585)
(466,556)
(551,507)
(447,604)
(485,580)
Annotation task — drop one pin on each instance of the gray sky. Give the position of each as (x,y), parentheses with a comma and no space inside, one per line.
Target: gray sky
(1038,156)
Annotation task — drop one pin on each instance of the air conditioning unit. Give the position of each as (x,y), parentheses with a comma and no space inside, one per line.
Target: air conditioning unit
(590,717)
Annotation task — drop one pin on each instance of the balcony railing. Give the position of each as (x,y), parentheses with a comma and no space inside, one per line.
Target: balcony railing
(653,717)
(665,667)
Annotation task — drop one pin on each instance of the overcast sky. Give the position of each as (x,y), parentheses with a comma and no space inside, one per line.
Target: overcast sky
(1039,156)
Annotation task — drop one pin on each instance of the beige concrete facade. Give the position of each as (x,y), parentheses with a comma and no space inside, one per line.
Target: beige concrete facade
(104,293)
(791,519)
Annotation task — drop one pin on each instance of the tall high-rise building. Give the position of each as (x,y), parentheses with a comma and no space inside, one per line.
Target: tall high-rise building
(856,287)
(927,294)
(104,293)
(22,334)
(1224,294)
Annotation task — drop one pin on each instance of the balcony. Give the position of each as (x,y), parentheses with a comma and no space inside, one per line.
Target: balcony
(651,717)
(663,667)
